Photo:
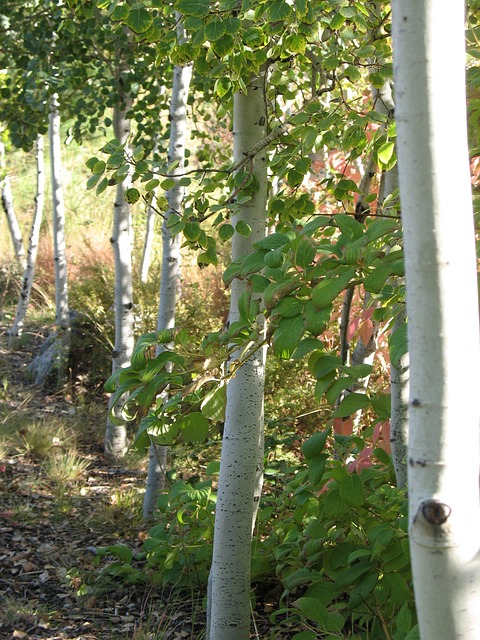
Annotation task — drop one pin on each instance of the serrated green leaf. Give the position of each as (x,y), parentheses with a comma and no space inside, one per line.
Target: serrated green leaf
(215,29)
(224,45)
(196,8)
(278,11)
(139,19)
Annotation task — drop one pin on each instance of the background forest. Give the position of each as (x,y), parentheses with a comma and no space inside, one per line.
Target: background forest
(205,424)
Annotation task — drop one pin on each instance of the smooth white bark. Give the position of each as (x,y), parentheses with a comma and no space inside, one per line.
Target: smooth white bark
(238,484)
(442,306)
(7,204)
(27,282)
(58,205)
(171,258)
(399,388)
(148,243)
(116,443)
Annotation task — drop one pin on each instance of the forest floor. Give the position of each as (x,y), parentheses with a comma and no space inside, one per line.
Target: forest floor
(50,585)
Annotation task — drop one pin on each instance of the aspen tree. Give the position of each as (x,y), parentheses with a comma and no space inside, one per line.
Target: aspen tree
(442,303)
(171,256)
(229,606)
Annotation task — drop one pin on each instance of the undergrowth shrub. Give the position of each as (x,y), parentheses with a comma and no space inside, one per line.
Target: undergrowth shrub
(330,544)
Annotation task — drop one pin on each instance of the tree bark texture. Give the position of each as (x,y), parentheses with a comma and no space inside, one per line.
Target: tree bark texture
(171,258)
(442,305)
(116,443)
(27,282)
(7,204)
(240,465)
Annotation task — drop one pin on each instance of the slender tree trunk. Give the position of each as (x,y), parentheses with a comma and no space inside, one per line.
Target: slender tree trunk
(7,203)
(148,243)
(238,484)
(399,381)
(62,320)
(27,282)
(442,305)
(171,257)
(116,443)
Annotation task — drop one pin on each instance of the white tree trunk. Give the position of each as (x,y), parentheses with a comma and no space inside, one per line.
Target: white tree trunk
(27,282)
(7,203)
(399,388)
(116,443)
(148,243)
(237,498)
(171,258)
(61,345)
(442,306)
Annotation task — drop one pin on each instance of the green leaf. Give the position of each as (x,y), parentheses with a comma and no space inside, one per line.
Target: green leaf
(312,609)
(287,336)
(224,45)
(385,153)
(215,29)
(295,43)
(305,252)
(349,226)
(324,365)
(288,307)
(213,405)
(243,228)
(152,184)
(351,490)
(222,86)
(398,344)
(315,444)
(306,346)
(273,241)
(316,320)
(351,404)
(139,19)
(278,11)
(193,427)
(99,167)
(316,468)
(132,195)
(225,232)
(330,287)
(121,551)
(92,181)
(252,264)
(196,8)
(102,185)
